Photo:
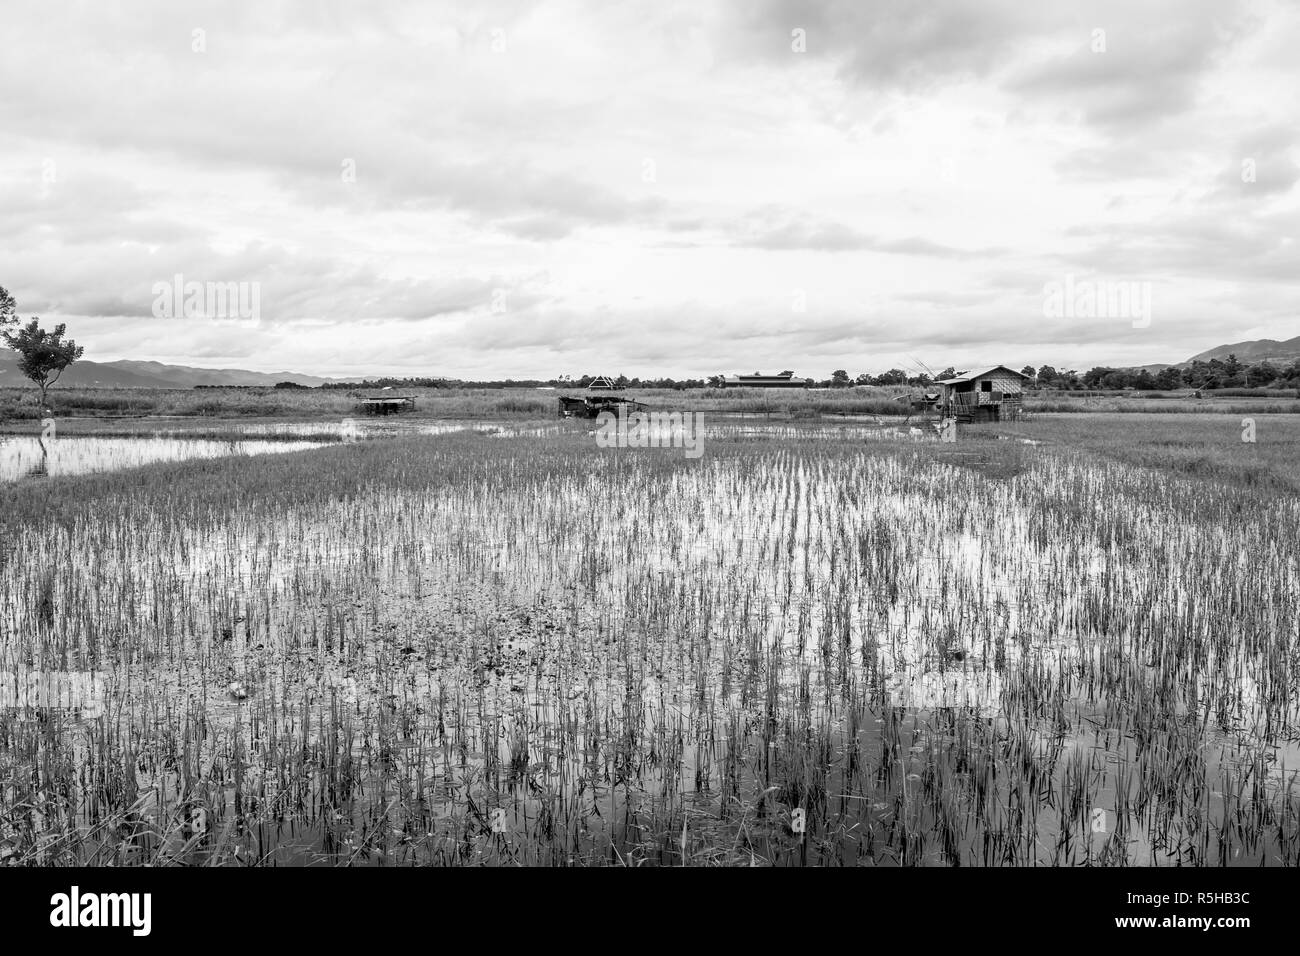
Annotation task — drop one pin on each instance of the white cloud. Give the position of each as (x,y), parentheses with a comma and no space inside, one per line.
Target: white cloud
(550,187)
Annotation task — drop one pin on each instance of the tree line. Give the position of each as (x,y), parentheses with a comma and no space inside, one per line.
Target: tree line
(560,381)
(1216,373)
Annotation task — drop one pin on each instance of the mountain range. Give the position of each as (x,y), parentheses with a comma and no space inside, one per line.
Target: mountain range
(129,374)
(1260,350)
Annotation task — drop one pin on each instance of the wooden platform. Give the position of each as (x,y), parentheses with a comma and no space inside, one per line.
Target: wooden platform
(591,406)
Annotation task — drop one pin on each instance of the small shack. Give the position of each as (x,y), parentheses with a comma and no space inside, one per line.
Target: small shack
(591,406)
(922,402)
(387,405)
(988,395)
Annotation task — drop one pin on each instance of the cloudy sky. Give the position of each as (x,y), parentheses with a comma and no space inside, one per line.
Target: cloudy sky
(488,189)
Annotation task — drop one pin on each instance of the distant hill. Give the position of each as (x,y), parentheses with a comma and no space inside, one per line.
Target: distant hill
(1260,350)
(187,376)
(128,374)
(82,374)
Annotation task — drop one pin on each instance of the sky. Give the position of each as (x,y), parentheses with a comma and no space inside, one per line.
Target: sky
(517,189)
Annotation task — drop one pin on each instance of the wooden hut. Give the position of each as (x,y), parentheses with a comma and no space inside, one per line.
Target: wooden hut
(988,395)
(591,406)
(387,405)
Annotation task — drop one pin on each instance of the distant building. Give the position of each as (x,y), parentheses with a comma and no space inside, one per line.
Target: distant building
(988,395)
(603,383)
(759,380)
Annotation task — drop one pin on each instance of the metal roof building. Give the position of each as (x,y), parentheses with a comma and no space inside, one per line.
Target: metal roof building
(759,380)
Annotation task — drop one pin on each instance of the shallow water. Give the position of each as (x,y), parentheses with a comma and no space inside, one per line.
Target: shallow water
(717,426)
(623,649)
(28,457)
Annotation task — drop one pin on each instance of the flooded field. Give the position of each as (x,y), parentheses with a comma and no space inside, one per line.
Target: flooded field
(23,456)
(452,649)
(149,441)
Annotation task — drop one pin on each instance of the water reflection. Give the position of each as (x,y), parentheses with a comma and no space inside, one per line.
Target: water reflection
(41,469)
(23,457)
(37,456)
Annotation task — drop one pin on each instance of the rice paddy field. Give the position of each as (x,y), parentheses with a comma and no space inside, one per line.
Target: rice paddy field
(1067,642)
